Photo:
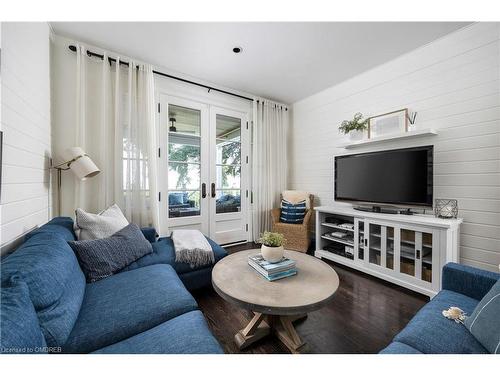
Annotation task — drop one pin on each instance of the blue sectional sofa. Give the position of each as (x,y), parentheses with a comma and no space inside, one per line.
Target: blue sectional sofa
(431,333)
(146,308)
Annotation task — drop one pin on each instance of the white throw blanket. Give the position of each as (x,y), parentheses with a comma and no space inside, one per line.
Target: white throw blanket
(192,247)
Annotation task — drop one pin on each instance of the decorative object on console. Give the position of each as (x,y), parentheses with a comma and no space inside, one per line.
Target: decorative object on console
(388,123)
(446,208)
(90,226)
(272,246)
(355,127)
(80,163)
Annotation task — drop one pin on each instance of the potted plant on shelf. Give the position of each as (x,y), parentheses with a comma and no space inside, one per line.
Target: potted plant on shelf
(355,127)
(272,246)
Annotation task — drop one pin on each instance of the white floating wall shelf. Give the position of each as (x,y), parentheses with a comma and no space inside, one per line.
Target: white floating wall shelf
(392,137)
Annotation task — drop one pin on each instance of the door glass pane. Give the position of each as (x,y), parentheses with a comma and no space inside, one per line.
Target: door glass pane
(407,264)
(184,120)
(228,152)
(184,155)
(228,164)
(427,257)
(374,243)
(183,203)
(228,128)
(389,255)
(228,177)
(183,176)
(228,201)
(184,152)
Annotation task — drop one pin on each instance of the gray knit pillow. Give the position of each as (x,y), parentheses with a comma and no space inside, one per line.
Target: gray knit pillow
(90,226)
(104,257)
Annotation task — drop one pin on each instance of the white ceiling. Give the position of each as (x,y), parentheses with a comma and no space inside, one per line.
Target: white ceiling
(281,61)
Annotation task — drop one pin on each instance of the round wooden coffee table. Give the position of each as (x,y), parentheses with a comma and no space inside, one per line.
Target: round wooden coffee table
(275,304)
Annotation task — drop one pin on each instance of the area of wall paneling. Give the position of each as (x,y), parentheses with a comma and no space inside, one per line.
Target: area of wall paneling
(453,84)
(25,122)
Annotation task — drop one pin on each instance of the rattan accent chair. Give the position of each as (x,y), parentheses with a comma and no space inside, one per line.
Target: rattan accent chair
(297,235)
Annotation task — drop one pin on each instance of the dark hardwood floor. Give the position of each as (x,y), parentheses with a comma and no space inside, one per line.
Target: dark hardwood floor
(363,316)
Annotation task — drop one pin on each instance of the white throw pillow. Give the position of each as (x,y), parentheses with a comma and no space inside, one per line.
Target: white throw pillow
(96,226)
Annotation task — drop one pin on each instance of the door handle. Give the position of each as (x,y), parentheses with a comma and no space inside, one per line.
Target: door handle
(213,190)
(203,190)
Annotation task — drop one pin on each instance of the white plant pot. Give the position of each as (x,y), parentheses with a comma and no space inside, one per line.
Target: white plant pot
(272,254)
(356,135)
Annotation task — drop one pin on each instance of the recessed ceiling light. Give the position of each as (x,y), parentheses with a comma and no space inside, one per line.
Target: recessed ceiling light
(237,49)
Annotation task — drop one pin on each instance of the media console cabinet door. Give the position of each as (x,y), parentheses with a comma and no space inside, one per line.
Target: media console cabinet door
(401,249)
(359,240)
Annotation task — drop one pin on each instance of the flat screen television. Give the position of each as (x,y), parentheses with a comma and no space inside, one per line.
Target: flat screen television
(401,177)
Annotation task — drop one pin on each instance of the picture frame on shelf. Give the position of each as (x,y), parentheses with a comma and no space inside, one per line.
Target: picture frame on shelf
(395,122)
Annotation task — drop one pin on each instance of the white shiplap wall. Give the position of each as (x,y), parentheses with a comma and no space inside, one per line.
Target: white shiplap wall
(25,121)
(453,84)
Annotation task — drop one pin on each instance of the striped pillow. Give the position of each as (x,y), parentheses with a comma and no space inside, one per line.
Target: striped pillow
(292,213)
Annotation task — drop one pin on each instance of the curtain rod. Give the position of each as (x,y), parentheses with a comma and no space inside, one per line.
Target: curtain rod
(110,60)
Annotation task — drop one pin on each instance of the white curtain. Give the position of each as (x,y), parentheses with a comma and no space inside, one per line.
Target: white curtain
(269,161)
(115,125)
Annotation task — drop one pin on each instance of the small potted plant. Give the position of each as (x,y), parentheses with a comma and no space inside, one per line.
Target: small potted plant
(354,127)
(272,246)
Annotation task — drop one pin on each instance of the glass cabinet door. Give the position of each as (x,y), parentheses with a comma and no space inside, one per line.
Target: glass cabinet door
(403,250)
(389,257)
(374,243)
(381,245)
(359,238)
(415,258)
(407,252)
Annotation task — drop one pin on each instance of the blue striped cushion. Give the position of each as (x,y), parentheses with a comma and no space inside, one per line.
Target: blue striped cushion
(292,213)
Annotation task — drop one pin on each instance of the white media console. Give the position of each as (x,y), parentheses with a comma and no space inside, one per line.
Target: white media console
(408,250)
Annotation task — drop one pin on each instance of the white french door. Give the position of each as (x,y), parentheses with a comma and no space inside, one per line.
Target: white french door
(229,175)
(203,174)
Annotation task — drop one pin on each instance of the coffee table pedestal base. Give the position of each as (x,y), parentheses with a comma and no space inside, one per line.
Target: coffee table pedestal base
(263,325)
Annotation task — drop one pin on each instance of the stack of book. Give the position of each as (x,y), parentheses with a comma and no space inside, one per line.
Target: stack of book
(272,271)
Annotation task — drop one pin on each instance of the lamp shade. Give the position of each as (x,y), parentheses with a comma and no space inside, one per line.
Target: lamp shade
(80,163)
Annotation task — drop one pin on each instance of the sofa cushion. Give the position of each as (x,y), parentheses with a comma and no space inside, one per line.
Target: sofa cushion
(61,226)
(56,283)
(103,257)
(19,327)
(185,334)
(126,304)
(164,252)
(90,226)
(430,332)
(484,322)
(399,348)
